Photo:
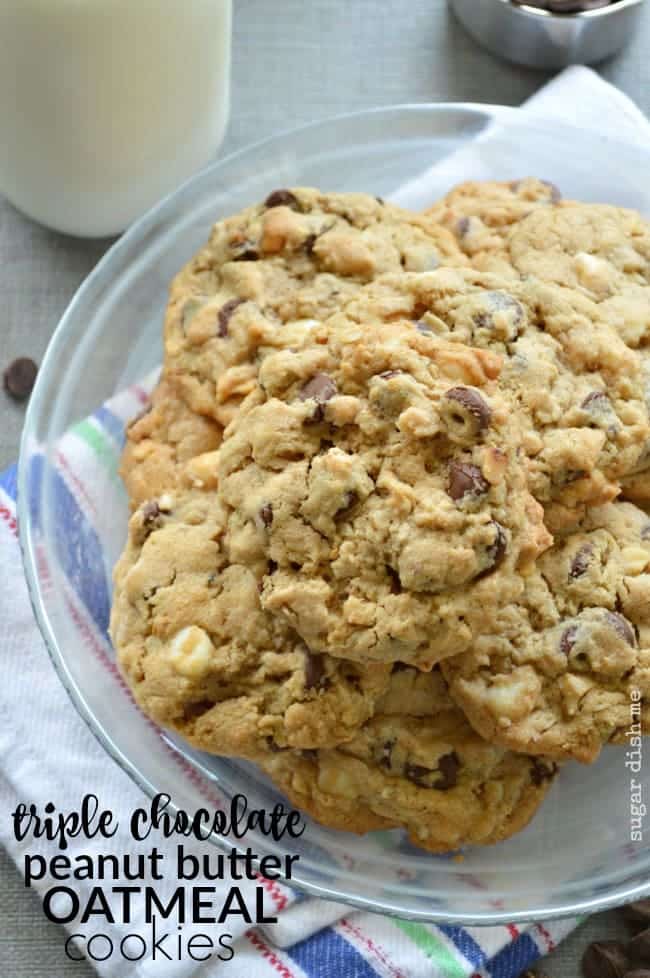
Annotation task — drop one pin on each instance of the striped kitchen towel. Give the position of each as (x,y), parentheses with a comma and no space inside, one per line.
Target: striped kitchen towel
(48,754)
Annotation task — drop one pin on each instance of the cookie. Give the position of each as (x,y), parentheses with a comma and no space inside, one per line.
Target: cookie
(374,479)
(162,442)
(578,387)
(480,214)
(204,659)
(417,764)
(269,274)
(573,655)
(596,250)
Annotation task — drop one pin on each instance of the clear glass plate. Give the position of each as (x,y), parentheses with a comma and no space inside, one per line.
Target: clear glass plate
(576,856)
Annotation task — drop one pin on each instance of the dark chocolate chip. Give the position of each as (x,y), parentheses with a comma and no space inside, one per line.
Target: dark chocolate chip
(19,378)
(309,753)
(581,561)
(400,667)
(645,532)
(314,670)
(621,626)
(389,374)
(308,244)
(496,551)
(466,479)
(321,389)
(272,746)
(605,959)
(595,400)
(471,401)
(462,226)
(541,772)
(282,198)
(212,579)
(555,192)
(448,765)
(568,639)
(266,514)
(638,949)
(417,774)
(272,567)
(226,313)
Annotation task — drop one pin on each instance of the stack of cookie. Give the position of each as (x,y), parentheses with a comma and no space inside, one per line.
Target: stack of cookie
(378,544)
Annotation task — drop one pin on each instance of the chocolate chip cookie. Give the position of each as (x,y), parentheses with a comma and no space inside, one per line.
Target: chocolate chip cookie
(268,274)
(595,250)
(417,764)
(168,446)
(375,481)
(570,658)
(579,389)
(203,658)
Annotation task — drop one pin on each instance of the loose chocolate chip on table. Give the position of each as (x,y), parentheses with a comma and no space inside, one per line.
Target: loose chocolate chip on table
(638,949)
(281,198)
(19,378)
(621,626)
(321,389)
(466,478)
(605,959)
(581,561)
(266,514)
(314,669)
(225,315)
(471,401)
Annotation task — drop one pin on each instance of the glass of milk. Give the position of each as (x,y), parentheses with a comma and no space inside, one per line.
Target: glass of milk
(107,105)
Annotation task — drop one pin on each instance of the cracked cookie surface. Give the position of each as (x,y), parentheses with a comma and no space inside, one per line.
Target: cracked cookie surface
(417,764)
(560,676)
(203,658)
(375,482)
(268,274)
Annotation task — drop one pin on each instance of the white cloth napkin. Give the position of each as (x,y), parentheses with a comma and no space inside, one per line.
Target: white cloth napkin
(47,753)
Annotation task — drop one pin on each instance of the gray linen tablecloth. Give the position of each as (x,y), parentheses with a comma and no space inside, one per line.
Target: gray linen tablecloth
(293,62)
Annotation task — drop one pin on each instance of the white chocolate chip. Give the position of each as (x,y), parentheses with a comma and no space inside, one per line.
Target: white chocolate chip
(593,273)
(635,559)
(191,652)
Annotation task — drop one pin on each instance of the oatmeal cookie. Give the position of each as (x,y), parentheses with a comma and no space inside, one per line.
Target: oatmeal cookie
(579,388)
(417,764)
(374,480)
(269,274)
(560,676)
(161,444)
(203,658)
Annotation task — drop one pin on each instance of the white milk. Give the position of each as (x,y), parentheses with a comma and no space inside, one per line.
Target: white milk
(107,105)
